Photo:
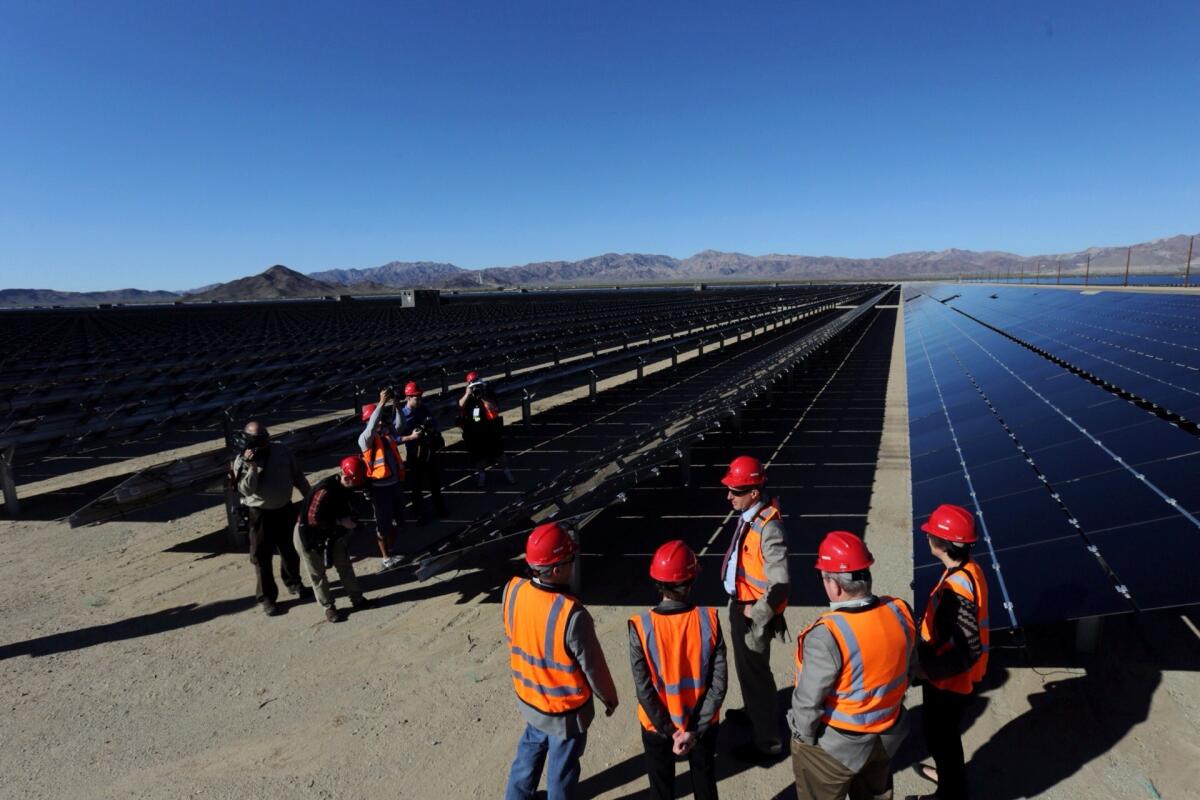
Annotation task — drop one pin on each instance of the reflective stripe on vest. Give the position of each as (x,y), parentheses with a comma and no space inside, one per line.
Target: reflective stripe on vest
(875,646)
(376,458)
(751,581)
(545,675)
(968,582)
(679,649)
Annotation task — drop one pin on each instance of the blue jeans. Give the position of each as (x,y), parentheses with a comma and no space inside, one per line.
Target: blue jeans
(563,776)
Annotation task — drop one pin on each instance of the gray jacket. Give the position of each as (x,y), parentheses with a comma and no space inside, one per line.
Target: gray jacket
(816,681)
(773,540)
(648,699)
(584,647)
(268,485)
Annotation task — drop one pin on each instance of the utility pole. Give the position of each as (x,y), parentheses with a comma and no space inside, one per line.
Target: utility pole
(1088,270)
(1187,273)
(1128,255)
(1058,280)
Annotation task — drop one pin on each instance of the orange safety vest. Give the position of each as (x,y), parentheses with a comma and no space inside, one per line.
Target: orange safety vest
(679,650)
(751,580)
(377,468)
(875,646)
(969,583)
(545,675)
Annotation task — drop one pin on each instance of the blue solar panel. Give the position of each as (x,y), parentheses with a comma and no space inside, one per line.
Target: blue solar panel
(1068,476)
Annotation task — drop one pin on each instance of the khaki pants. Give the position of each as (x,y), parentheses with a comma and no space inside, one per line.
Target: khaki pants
(314,565)
(820,776)
(752,662)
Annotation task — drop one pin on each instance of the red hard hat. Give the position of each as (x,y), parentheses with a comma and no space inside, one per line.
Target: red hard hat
(472,376)
(674,562)
(411,389)
(354,468)
(842,551)
(744,471)
(368,410)
(548,544)
(952,523)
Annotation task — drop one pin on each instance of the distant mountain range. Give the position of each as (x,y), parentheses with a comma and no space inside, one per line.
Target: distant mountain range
(1160,255)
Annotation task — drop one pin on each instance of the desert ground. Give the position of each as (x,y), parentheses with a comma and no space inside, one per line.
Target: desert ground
(135,664)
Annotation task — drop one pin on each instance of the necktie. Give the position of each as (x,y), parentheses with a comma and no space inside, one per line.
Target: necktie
(733,546)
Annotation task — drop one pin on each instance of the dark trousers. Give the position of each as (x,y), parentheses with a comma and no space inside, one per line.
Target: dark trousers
(425,472)
(388,504)
(941,723)
(660,765)
(271,532)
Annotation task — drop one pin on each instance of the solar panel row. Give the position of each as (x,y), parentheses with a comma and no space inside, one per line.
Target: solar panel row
(1088,502)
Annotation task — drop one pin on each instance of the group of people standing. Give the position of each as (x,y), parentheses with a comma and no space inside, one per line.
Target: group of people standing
(398,449)
(853,664)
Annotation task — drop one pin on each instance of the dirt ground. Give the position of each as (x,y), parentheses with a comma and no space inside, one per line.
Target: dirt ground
(136,664)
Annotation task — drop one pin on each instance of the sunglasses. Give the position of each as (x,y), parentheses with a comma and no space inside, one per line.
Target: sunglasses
(742,492)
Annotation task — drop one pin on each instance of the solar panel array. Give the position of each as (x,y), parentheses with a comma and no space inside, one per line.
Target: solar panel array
(1064,420)
(72,378)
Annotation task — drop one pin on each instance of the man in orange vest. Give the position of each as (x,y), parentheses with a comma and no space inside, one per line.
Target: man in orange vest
(678,660)
(755,575)
(847,716)
(380,446)
(953,648)
(557,665)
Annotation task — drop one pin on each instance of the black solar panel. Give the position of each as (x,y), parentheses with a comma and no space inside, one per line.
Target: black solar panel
(1083,489)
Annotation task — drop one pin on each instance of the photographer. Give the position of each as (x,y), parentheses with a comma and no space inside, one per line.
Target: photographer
(380,449)
(266,472)
(483,428)
(322,535)
(421,436)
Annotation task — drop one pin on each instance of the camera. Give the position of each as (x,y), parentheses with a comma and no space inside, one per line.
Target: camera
(240,441)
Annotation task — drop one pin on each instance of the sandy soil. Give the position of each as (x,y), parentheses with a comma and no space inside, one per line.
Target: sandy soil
(135,664)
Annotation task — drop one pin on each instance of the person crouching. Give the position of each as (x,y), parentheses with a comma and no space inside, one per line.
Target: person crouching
(323,533)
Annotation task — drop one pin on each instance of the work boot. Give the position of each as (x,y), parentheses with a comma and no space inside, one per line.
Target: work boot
(360,603)
(302,592)
(334,614)
(270,609)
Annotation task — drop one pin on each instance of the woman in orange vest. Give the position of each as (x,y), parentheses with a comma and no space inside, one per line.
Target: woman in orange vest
(953,648)
(852,664)
(557,667)
(385,473)
(678,660)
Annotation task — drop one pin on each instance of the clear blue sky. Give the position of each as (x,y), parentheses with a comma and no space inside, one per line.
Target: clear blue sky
(169,143)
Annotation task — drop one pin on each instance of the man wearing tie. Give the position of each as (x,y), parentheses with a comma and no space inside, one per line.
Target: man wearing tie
(755,575)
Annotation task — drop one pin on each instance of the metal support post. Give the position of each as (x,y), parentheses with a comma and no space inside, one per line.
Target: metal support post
(592,385)
(11,505)
(576,581)
(1187,273)
(685,467)
(557,355)
(1087,270)
(641,367)
(737,421)
(674,356)
(445,381)
(595,347)
(700,348)
(1058,280)
(507,366)
(1128,255)
(526,411)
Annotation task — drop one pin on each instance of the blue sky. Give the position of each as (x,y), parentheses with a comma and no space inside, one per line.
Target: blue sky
(169,144)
